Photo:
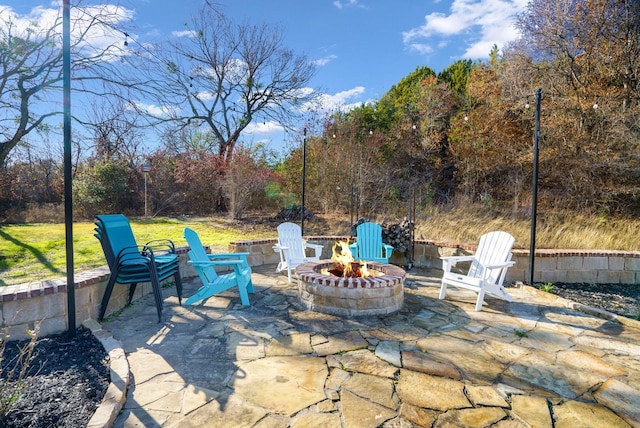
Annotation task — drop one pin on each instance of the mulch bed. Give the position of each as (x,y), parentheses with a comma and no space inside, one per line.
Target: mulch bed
(65,382)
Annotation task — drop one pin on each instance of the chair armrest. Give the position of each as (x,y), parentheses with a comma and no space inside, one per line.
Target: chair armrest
(236,262)
(450,261)
(314,246)
(227,255)
(157,244)
(135,250)
(454,259)
(317,248)
(501,265)
(388,249)
(278,248)
(354,249)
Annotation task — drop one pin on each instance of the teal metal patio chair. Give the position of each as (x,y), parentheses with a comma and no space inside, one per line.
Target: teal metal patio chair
(212,281)
(130,263)
(369,245)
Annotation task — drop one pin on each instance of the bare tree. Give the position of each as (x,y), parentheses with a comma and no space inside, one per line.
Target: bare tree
(116,131)
(225,76)
(31,59)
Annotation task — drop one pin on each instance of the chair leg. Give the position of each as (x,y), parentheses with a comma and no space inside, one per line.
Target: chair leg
(132,290)
(443,291)
(480,299)
(107,295)
(244,295)
(178,280)
(157,291)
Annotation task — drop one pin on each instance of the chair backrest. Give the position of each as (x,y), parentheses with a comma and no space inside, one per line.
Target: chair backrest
(290,236)
(114,232)
(197,253)
(369,242)
(493,248)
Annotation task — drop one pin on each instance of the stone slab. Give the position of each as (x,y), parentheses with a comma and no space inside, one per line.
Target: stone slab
(284,384)
(431,392)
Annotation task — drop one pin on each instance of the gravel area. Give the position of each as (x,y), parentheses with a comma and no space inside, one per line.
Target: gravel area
(620,299)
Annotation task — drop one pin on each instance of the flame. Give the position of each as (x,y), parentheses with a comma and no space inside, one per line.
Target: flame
(343,258)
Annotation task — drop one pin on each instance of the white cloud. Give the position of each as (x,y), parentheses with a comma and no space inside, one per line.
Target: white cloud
(103,18)
(341,101)
(185,33)
(262,128)
(349,3)
(324,61)
(482,23)
(421,48)
(157,111)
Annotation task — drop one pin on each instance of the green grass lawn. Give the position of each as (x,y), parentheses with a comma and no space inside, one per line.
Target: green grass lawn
(35,252)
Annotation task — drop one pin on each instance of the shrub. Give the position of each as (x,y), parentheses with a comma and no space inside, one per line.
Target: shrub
(13,372)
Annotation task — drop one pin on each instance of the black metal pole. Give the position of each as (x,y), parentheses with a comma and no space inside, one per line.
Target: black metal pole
(304,177)
(68,206)
(534,195)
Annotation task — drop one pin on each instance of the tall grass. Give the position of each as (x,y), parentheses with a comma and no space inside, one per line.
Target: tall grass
(553,230)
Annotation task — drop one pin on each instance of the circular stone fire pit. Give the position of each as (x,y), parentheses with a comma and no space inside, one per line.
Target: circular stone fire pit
(380,294)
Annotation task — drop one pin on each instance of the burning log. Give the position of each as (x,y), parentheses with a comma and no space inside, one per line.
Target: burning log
(355,270)
(345,265)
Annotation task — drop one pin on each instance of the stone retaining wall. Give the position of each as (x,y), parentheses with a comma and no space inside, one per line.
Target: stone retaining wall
(45,302)
(21,306)
(588,266)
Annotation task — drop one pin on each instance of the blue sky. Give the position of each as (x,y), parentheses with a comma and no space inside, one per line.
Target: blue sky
(361,47)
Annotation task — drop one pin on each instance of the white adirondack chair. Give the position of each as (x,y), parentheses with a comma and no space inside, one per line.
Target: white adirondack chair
(488,268)
(292,248)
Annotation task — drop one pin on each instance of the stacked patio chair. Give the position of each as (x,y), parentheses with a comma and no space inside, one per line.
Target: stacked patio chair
(130,263)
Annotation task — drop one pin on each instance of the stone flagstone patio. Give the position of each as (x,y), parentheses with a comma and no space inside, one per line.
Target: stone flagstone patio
(535,362)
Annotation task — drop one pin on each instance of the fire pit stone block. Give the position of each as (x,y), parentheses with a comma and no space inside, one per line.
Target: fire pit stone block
(349,297)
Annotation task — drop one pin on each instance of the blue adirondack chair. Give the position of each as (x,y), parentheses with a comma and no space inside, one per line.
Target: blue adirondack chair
(212,281)
(131,263)
(369,245)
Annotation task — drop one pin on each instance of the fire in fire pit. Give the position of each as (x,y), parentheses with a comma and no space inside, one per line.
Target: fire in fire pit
(345,266)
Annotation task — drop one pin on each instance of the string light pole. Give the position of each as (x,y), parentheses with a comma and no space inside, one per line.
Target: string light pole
(68,206)
(304,176)
(534,191)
